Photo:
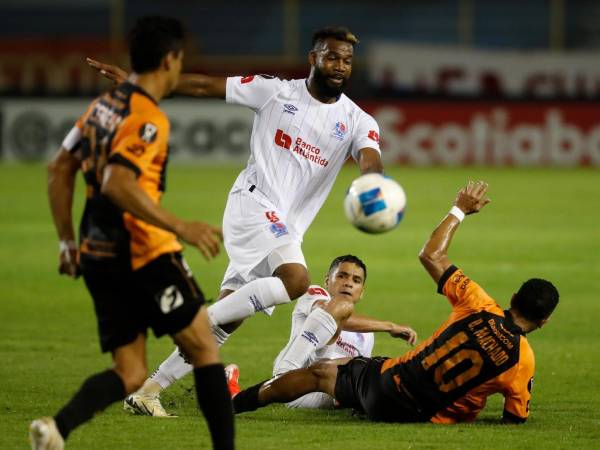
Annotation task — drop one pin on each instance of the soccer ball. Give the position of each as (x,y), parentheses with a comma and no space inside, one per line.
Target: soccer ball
(374,203)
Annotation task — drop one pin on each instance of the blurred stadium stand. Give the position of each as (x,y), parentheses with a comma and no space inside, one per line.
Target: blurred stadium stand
(413,53)
(40,40)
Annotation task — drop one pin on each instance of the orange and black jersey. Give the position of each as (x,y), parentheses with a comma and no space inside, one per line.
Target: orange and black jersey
(123,126)
(477,352)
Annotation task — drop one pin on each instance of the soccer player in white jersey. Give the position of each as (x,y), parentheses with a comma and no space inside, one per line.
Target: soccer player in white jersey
(353,336)
(303,132)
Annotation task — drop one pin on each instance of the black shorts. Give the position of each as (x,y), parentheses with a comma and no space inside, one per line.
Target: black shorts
(359,385)
(162,295)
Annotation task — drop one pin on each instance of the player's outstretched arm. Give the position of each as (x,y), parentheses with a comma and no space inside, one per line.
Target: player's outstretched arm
(120,185)
(364,324)
(195,85)
(434,255)
(61,185)
(112,72)
(369,161)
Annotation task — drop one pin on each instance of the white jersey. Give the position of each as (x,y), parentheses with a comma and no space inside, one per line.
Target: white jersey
(298,144)
(348,343)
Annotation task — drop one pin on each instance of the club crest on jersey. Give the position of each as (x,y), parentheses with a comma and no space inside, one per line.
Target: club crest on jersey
(278,229)
(289,108)
(148,132)
(340,130)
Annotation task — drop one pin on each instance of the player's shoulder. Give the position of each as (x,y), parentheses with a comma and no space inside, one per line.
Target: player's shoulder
(355,110)
(526,354)
(143,106)
(144,113)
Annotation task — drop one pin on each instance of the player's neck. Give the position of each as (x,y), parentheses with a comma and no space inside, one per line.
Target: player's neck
(525,325)
(313,89)
(154,84)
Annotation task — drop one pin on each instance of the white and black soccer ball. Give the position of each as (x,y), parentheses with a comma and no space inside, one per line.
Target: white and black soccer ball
(374,203)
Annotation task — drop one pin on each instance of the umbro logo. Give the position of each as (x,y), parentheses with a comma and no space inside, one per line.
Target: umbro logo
(289,108)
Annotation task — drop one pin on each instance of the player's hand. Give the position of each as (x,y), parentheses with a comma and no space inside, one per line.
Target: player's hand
(471,198)
(203,236)
(113,73)
(404,332)
(69,260)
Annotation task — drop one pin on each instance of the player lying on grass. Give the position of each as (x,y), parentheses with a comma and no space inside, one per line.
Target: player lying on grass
(324,326)
(318,319)
(478,351)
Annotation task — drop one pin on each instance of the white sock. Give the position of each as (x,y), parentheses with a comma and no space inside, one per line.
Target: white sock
(172,369)
(219,333)
(247,300)
(317,331)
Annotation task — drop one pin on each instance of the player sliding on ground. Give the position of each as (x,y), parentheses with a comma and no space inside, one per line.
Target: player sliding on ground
(304,131)
(314,336)
(478,351)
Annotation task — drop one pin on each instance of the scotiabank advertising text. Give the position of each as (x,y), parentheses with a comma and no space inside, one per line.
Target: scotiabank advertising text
(465,133)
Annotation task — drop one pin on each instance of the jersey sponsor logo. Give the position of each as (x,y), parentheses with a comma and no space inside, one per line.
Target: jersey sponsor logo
(278,229)
(310,152)
(282,139)
(374,136)
(301,147)
(247,79)
(289,108)
(347,347)
(340,130)
(170,299)
(148,132)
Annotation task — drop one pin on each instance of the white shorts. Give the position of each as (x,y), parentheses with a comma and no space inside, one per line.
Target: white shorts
(257,240)
(314,400)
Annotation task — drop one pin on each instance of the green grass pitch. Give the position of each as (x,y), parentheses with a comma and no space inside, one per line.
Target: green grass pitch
(540,223)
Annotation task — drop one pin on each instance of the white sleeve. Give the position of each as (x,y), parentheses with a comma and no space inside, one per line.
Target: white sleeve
(369,342)
(365,135)
(72,140)
(252,91)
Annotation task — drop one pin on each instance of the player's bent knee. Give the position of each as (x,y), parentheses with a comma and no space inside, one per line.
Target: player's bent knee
(339,309)
(324,374)
(295,279)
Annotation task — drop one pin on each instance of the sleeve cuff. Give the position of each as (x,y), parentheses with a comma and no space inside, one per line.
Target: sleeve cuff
(116,158)
(510,417)
(442,281)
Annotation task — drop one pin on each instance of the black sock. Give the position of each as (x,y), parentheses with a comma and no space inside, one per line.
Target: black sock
(247,400)
(215,403)
(96,393)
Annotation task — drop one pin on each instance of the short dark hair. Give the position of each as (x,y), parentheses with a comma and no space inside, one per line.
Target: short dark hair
(338,33)
(348,258)
(151,39)
(536,299)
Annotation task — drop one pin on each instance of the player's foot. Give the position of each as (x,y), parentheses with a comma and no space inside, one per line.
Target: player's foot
(145,405)
(232,373)
(44,435)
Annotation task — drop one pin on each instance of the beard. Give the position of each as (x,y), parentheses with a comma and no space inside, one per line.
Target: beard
(323,85)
